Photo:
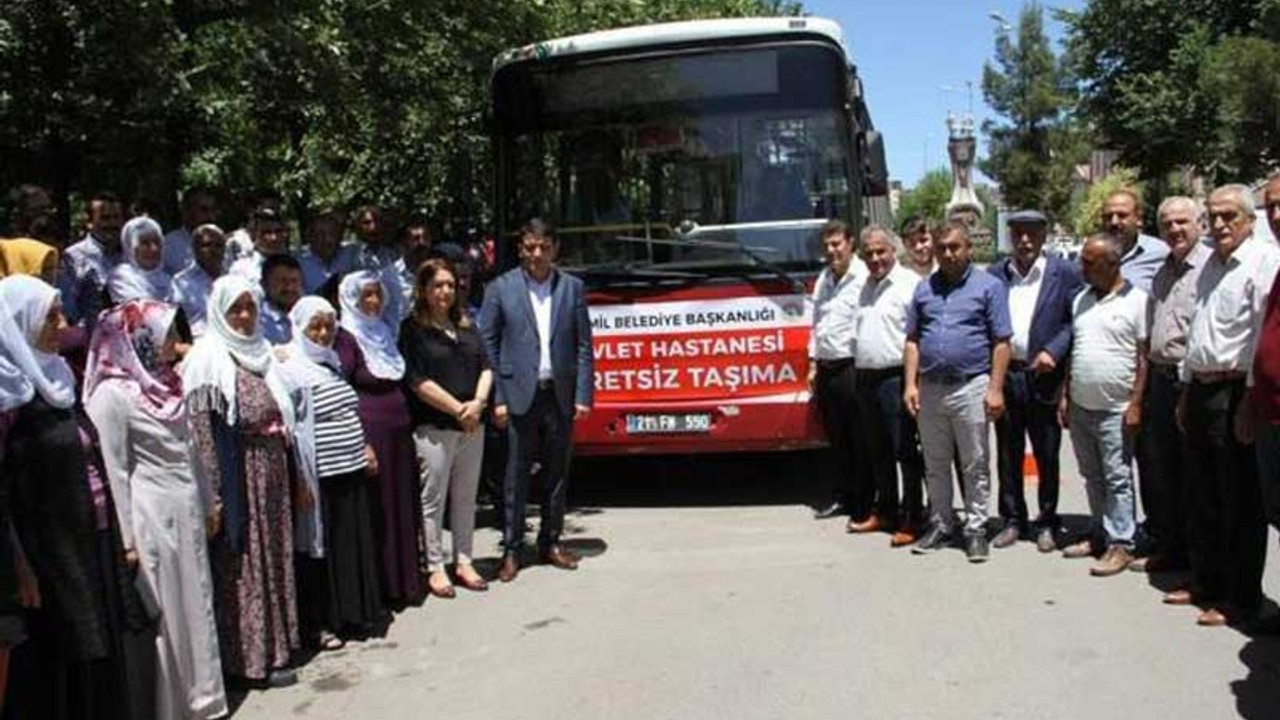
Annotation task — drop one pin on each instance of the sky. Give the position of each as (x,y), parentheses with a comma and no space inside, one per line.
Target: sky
(915,57)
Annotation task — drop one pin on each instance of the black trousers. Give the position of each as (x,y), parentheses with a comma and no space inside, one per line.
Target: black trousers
(544,432)
(836,387)
(1162,467)
(1230,529)
(892,441)
(1027,415)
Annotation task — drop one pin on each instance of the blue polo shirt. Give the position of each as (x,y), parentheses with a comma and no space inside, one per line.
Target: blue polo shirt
(1140,264)
(956,325)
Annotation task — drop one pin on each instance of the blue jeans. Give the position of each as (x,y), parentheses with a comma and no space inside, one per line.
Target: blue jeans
(1104,454)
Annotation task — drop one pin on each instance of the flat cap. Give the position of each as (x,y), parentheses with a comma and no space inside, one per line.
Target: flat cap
(1026,217)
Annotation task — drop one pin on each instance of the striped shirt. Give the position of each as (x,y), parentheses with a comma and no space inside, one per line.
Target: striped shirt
(339,435)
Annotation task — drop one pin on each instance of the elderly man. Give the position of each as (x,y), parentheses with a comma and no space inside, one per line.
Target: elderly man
(87,263)
(957,352)
(832,379)
(1215,412)
(191,287)
(891,436)
(1143,254)
(1163,482)
(1041,290)
(1103,402)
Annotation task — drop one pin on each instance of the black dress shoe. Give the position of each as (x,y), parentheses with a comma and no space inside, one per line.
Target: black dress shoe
(934,540)
(835,509)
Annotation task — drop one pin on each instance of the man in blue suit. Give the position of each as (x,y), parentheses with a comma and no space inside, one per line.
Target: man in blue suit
(1040,293)
(538,334)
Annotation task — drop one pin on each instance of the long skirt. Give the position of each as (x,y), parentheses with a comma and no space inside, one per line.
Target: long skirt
(399,517)
(342,592)
(254,590)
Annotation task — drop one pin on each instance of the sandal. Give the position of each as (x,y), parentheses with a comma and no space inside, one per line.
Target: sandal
(470,579)
(444,590)
(329,641)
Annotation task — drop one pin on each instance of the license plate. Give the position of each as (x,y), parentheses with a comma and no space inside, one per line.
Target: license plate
(668,423)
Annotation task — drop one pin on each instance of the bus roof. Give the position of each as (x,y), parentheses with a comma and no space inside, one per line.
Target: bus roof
(670,33)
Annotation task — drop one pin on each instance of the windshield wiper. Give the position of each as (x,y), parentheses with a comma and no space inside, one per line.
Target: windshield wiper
(754,254)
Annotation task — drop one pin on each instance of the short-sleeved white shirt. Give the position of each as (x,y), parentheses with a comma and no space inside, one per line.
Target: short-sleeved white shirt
(1104,352)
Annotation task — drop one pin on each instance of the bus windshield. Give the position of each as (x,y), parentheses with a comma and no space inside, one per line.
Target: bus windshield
(748,146)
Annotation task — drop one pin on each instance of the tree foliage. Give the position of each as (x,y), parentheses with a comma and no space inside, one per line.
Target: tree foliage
(928,199)
(1086,216)
(1033,149)
(326,100)
(1173,83)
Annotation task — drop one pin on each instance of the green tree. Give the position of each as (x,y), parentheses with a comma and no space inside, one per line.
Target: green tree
(1035,145)
(928,199)
(1171,83)
(327,100)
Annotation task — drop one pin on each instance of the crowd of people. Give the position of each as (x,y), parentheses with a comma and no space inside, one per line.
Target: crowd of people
(216,452)
(218,455)
(1164,353)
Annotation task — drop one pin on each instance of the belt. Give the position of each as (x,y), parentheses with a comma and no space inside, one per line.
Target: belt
(546,384)
(876,373)
(950,378)
(1166,369)
(837,364)
(1214,377)
(1018,365)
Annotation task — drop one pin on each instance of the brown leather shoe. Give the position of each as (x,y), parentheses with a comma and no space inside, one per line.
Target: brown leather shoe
(509,568)
(906,535)
(1213,617)
(1181,596)
(558,557)
(870,525)
(1112,562)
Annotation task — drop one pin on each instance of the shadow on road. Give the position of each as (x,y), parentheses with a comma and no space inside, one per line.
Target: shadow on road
(1258,694)
(697,481)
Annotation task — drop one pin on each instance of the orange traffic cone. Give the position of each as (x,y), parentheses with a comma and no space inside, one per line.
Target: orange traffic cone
(1030,473)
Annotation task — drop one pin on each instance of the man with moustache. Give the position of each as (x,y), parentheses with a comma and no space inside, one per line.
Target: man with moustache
(1041,290)
(892,439)
(1163,485)
(1143,254)
(87,263)
(1216,413)
(956,355)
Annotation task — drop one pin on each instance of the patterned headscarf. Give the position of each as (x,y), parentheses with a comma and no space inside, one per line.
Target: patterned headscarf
(126,345)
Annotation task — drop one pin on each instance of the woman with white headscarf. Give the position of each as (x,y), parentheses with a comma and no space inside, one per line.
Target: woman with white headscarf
(80,656)
(134,398)
(340,583)
(372,363)
(240,414)
(141,275)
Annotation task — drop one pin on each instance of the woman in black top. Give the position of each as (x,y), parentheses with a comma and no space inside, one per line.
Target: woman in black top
(447,377)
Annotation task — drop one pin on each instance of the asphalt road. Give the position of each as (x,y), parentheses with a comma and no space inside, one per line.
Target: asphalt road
(709,592)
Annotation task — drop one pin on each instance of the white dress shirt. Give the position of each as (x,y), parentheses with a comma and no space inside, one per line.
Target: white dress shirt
(191,290)
(1231,298)
(835,313)
(882,319)
(1024,293)
(540,298)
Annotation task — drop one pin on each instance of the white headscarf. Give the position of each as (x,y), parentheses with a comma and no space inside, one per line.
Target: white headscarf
(27,301)
(377,339)
(16,389)
(310,363)
(128,280)
(211,363)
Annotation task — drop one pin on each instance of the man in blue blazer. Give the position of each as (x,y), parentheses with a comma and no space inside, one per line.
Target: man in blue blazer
(1041,290)
(538,334)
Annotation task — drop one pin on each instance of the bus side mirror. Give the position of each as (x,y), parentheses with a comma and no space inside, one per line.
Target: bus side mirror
(874,167)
